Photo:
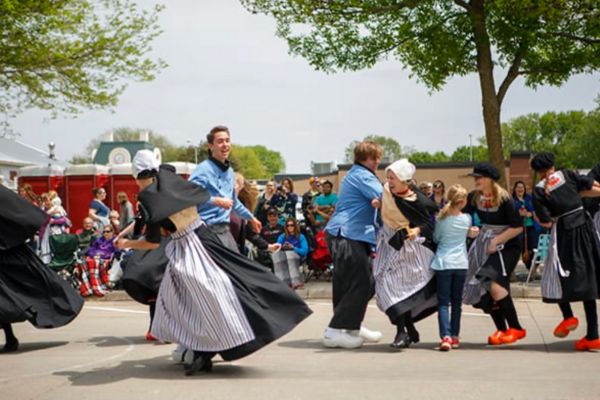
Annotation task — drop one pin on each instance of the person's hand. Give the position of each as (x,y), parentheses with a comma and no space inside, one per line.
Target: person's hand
(121,243)
(287,246)
(223,202)
(274,248)
(414,233)
(523,211)
(493,247)
(376,203)
(256,225)
(473,232)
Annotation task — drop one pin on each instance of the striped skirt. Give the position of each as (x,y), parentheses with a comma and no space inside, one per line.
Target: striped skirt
(401,275)
(197,306)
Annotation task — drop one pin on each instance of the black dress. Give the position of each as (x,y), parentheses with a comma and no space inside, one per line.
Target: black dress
(29,290)
(576,238)
(498,266)
(268,307)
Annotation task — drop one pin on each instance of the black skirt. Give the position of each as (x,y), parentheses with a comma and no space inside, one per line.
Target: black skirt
(143,272)
(579,253)
(271,307)
(492,271)
(30,291)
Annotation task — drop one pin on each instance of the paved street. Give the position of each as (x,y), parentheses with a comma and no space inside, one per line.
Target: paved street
(103,355)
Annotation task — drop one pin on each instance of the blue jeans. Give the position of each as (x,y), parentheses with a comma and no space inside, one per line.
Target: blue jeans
(449,292)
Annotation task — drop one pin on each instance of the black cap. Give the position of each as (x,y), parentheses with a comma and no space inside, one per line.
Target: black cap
(167,167)
(485,170)
(542,161)
(272,211)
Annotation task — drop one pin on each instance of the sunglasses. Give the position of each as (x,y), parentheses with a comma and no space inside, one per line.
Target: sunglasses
(290,225)
(107,231)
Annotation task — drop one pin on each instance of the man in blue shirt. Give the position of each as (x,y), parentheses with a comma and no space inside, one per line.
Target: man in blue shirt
(216,176)
(350,236)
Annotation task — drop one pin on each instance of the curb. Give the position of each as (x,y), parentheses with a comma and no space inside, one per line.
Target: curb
(322,291)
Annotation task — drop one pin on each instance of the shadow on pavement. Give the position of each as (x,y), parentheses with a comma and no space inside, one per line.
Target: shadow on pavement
(157,368)
(113,341)
(26,347)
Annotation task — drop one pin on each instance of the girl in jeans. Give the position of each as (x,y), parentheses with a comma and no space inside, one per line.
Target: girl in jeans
(450,263)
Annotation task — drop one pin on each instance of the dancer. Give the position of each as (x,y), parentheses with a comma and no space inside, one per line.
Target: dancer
(350,236)
(211,299)
(216,176)
(592,204)
(494,255)
(572,268)
(29,290)
(404,281)
(450,263)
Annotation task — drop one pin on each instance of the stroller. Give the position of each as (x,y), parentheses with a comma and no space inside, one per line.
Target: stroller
(320,260)
(65,258)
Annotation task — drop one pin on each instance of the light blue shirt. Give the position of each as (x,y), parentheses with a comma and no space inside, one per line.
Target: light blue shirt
(451,236)
(354,216)
(218,183)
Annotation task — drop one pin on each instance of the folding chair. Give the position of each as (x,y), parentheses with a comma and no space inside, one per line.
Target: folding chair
(539,255)
(64,250)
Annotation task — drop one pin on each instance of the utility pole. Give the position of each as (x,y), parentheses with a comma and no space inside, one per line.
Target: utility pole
(471,147)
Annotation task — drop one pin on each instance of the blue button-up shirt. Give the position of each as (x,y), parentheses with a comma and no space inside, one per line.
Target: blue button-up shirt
(219,183)
(354,216)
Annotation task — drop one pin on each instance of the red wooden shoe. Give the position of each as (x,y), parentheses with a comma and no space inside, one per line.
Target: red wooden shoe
(587,345)
(149,337)
(565,327)
(494,339)
(512,335)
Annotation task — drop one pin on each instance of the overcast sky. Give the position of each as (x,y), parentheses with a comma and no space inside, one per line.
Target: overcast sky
(227,67)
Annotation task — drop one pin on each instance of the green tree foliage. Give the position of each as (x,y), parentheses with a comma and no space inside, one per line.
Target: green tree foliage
(64,56)
(247,162)
(392,150)
(574,136)
(542,41)
(272,160)
(423,157)
(463,154)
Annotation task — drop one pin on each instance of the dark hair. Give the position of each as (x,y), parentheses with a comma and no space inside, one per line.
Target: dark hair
(514,191)
(327,182)
(210,138)
(291,183)
(96,190)
(296,228)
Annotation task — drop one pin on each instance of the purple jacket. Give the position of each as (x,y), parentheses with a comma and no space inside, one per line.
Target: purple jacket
(103,248)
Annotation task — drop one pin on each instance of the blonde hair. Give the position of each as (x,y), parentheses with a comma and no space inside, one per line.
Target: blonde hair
(454,195)
(499,195)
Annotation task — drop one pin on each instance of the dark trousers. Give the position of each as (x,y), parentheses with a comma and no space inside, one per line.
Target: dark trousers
(224,234)
(352,283)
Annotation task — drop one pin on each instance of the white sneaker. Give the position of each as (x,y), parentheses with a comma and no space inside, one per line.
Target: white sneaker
(341,338)
(370,336)
(181,355)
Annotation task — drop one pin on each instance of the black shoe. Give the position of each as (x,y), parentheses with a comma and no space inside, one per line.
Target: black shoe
(401,341)
(10,346)
(413,334)
(202,362)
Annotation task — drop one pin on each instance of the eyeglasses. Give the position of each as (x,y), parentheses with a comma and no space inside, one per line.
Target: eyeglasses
(290,225)
(107,231)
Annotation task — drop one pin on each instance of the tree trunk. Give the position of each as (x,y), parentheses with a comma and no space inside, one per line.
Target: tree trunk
(489,98)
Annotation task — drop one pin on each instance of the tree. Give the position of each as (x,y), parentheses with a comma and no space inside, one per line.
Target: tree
(574,136)
(463,154)
(271,160)
(543,41)
(245,161)
(65,56)
(424,157)
(391,148)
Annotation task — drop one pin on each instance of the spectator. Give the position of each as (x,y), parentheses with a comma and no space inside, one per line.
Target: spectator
(294,248)
(240,229)
(309,197)
(87,235)
(325,203)
(125,210)
(285,200)
(439,190)
(94,272)
(270,233)
(426,188)
(115,221)
(524,205)
(264,202)
(27,193)
(98,210)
